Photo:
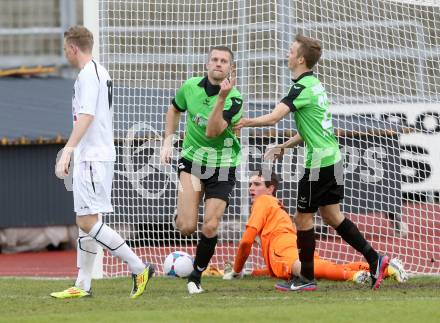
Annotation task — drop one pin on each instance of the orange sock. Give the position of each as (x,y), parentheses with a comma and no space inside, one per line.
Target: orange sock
(356,266)
(331,271)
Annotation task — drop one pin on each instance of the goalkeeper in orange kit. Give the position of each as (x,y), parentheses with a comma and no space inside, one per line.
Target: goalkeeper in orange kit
(270,221)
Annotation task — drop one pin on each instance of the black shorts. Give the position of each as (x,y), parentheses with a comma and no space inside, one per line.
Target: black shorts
(218,182)
(320,187)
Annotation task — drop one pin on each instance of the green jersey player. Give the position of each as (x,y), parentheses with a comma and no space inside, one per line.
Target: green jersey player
(210,153)
(322,184)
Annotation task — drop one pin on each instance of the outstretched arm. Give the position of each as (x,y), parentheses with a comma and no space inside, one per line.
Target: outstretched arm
(280,111)
(244,249)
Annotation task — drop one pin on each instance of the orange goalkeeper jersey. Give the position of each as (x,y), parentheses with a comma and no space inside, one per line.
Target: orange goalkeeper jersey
(270,220)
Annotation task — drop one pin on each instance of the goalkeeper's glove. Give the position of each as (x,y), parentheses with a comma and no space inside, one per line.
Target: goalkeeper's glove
(232,275)
(229,272)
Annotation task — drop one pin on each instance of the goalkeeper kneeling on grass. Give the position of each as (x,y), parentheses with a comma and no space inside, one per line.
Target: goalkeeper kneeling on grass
(271,223)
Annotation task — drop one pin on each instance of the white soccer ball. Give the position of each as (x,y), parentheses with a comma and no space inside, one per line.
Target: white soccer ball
(178,264)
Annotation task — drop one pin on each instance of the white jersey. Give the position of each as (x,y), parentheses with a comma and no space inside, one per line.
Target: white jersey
(92,94)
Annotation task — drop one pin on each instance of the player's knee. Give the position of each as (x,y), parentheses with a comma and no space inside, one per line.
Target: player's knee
(185,229)
(332,219)
(83,225)
(210,228)
(303,221)
(299,221)
(86,222)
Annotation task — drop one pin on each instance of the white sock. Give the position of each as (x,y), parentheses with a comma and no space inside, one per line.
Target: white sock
(85,259)
(113,242)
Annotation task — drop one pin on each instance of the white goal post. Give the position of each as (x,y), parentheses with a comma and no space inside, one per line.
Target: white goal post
(379,67)
(91,21)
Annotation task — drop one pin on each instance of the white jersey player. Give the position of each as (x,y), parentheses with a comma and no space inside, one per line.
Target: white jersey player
(91,144)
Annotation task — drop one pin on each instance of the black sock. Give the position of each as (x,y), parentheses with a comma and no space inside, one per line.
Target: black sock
(204,252)
(350,233)
(306,249)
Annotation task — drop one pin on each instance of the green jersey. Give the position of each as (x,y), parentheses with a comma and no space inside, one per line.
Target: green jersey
(308,101)
(198,97)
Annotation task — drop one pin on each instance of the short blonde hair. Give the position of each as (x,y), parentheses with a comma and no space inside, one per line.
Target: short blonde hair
(80,36)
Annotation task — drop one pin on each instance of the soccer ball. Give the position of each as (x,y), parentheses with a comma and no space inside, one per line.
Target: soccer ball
(178,264)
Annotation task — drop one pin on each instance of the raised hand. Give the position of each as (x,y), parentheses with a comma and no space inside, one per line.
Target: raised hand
(227,84)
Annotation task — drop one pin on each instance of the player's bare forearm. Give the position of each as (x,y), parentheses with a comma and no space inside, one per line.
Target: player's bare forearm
(265,120)
(270,119)
(172,120)
(292,142)
(79,129)
(216,124)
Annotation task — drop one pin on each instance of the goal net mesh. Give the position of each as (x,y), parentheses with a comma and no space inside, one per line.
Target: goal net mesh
(379,67)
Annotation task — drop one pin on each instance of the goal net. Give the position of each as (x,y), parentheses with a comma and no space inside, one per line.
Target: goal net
(379,67)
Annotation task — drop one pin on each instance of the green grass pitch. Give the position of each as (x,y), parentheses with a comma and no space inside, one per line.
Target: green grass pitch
(246,300)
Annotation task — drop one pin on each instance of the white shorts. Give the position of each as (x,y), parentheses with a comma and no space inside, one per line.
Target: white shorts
(92,187)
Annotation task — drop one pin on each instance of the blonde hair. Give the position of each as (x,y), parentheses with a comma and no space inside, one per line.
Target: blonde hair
(80,36)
